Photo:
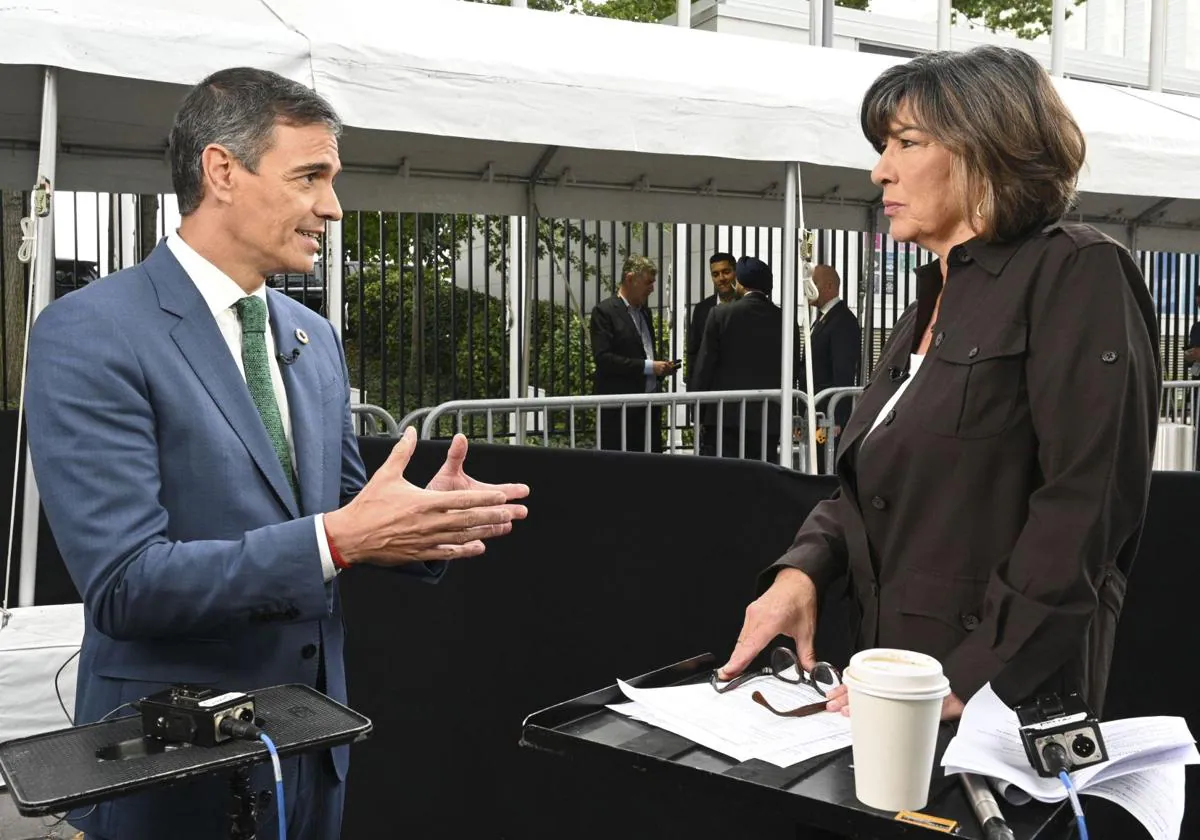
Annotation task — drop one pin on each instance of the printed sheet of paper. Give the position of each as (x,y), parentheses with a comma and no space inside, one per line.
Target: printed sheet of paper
(734,725)
(1154,796)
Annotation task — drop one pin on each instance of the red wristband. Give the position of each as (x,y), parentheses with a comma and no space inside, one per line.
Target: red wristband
(338,560)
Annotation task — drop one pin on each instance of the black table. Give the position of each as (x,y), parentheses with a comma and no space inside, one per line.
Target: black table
(60,771)
(814,795)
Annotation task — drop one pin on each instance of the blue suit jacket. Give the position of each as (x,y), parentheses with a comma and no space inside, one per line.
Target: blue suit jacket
(172,512)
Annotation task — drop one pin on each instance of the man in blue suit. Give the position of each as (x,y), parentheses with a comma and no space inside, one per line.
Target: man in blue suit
(192,440)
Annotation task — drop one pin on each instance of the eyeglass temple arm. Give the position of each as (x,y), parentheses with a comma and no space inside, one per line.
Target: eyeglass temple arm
(803,711)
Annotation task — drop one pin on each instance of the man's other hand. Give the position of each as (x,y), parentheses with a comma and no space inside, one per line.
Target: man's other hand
(393,521)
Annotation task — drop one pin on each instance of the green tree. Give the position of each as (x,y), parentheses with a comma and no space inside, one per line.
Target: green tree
(435,240)
(1027,19)
(1024,18)
(414,338)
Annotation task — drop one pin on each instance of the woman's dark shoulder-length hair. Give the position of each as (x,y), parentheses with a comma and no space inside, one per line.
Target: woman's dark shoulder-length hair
(1017,149)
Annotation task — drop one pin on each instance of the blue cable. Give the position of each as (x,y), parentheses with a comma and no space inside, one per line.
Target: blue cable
(1075,806)
(262,736)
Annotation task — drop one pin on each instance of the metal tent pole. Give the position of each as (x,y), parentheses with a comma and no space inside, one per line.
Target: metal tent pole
(41,293)
(793,223)
(1158,42)
(943,24)
(1057,36)
(335,281)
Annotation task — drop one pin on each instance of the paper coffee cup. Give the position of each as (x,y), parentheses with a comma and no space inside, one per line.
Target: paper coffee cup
(895,707)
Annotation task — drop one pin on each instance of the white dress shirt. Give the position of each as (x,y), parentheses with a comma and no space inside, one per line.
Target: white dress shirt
(221,293)
(829,304)
(639,324)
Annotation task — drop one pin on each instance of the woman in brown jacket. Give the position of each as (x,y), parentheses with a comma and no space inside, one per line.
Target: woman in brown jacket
(993,478)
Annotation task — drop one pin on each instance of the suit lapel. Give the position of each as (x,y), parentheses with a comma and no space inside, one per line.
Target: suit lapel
(301,382)
(822,320)
(201,342)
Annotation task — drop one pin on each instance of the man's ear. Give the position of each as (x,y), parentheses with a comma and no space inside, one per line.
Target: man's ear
(219,168)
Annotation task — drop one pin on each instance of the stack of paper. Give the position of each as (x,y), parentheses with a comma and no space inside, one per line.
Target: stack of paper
(734,725)
(1144,773)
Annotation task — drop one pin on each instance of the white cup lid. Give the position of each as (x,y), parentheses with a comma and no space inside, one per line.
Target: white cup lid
(894,672)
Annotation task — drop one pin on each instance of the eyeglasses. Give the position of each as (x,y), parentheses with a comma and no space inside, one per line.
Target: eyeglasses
(821,679)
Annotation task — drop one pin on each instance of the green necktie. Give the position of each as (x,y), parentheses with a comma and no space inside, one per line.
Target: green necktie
(252,312)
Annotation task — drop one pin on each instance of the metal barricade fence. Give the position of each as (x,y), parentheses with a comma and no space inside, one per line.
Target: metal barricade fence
(518,419)
(1178,438)
(414,418)
(829,400)
(369,418)
(1178,403)
(575,420)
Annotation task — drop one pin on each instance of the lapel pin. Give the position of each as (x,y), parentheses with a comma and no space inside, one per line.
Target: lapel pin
(301,336)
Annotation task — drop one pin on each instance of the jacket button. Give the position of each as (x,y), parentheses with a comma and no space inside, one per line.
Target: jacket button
(973,352)
(937,342)
(1108,357)
(878,503)
(970,622)
(308,651)
(891,415)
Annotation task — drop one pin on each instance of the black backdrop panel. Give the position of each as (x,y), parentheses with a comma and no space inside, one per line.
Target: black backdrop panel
(53,584)
(1153,670)
(612,575)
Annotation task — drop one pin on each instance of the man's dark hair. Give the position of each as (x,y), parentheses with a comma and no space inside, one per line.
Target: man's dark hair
(721,256)
(238,109)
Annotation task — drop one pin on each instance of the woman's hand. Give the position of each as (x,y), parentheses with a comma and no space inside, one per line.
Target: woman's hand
(788,607)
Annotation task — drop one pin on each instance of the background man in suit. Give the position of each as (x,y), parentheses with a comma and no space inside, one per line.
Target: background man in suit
(722,268)
(743,350)
(836,345)
(1191,355)
(191,436)
(622,333)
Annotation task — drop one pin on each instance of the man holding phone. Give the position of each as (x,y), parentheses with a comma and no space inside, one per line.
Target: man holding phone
(623,347)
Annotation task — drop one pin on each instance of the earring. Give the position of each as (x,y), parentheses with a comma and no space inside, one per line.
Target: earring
(979,210)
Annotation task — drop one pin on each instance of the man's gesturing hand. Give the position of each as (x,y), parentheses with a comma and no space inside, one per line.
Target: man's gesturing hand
(452,476)
(788,607)
(393,521)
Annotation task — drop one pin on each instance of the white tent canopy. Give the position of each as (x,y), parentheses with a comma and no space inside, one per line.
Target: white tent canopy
(454,107)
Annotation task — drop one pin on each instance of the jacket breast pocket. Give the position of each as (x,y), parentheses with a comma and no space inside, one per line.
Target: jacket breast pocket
(978,381)
(333,389)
